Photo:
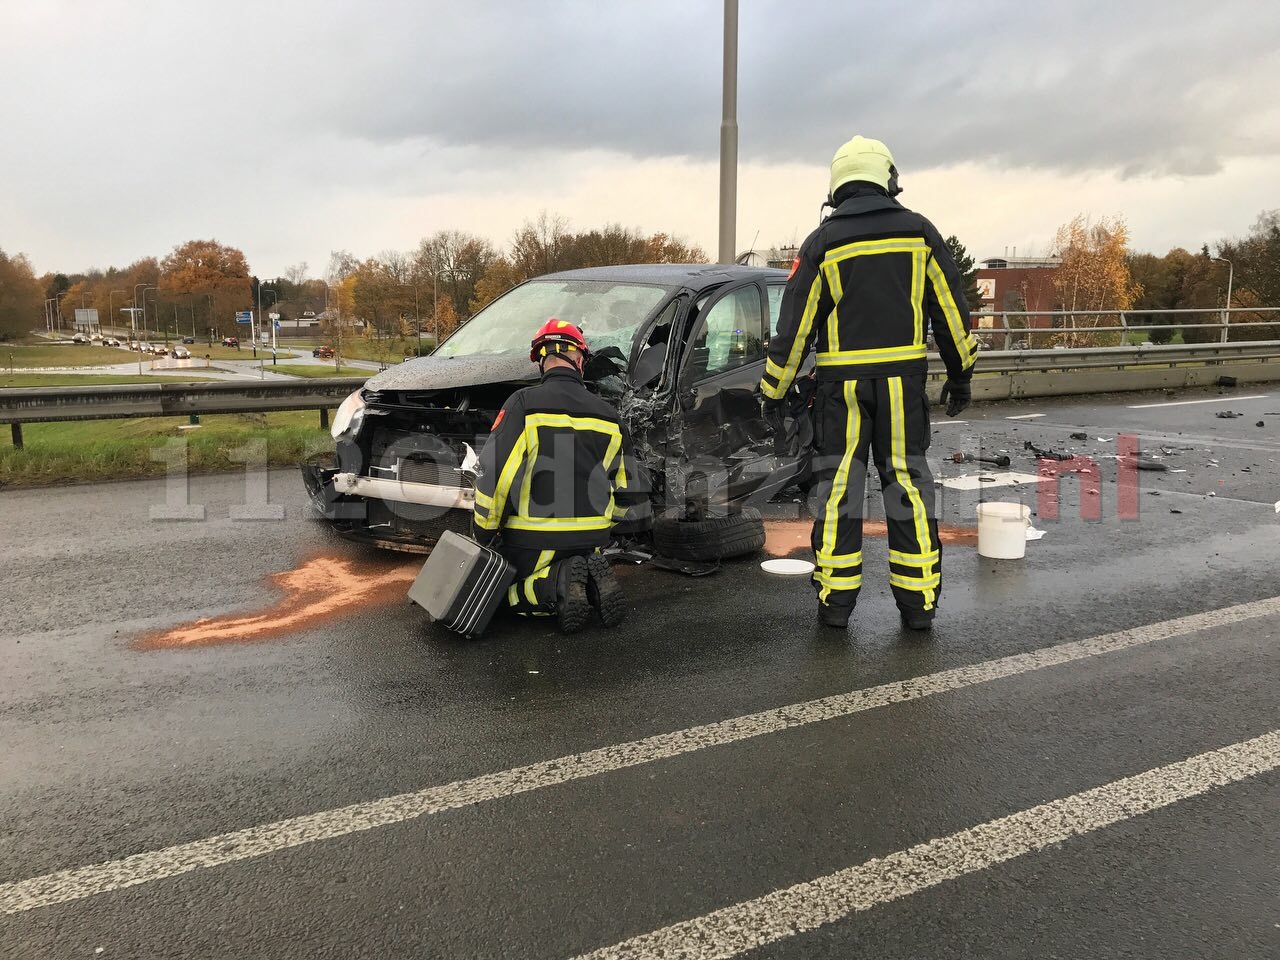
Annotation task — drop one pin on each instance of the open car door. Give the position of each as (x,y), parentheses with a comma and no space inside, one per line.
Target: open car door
(734,456)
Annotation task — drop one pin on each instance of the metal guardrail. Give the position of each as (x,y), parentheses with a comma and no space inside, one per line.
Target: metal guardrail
(1004,374)
(19,405)
(1025,326)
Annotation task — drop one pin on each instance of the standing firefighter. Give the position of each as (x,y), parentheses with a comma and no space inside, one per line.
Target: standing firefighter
(864,286)
(551,469)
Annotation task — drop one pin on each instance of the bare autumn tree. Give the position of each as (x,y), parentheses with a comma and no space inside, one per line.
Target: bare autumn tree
(1094,273)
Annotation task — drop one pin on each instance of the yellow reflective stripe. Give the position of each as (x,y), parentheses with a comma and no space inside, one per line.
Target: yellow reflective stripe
(914,559)
(838,583)
(840,482)
(558,524)
(965,343)
(833,318)
(541,570)
(618,512)
(792,366)
(862,248)
(833,560)
(918,268)
(908,351)
(773,370)
(594,424)
(513,595)
(483,501)
(918,584)
(526,484)
(505,478)
(898,463)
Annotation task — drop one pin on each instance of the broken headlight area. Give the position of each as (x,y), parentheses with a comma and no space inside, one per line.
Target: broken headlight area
(349,416)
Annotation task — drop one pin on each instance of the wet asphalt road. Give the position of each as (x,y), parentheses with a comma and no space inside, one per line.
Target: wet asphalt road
(112,751)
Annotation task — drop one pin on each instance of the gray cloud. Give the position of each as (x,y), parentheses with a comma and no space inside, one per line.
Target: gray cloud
(130,126)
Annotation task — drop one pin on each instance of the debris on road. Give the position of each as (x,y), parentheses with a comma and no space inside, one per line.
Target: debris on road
(998,461)
(690,568)
(1079,436)
(1043,454)
(1227,414)
(1261,423)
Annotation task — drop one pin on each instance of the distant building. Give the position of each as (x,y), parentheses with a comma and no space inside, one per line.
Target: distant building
(1017,284)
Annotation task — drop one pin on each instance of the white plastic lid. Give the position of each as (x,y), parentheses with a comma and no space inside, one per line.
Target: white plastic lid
(787,567)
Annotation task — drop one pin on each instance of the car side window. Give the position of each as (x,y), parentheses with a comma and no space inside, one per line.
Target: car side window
(775,306)
(731,335)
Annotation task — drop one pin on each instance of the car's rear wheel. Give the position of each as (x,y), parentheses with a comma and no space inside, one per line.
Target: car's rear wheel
(718,538)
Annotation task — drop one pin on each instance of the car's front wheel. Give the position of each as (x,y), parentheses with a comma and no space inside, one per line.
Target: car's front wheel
(718,538)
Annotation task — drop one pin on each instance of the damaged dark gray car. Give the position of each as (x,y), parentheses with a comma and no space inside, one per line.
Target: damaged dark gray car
(678,349)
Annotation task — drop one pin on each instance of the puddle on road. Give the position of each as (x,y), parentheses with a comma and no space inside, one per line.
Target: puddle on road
(784,537)
(318,591)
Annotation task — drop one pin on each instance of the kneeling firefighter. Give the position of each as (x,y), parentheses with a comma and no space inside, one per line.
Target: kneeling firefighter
(863,287)
(553,469)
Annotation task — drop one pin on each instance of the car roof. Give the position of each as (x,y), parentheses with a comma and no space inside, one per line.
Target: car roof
(695,276)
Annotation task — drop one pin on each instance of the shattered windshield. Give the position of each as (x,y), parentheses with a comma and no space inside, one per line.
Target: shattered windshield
(609,314)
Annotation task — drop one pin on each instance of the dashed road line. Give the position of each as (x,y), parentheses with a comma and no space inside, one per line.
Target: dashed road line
(77,883)
(815,903)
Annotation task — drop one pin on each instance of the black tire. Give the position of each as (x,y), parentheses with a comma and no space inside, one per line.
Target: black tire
(719,538)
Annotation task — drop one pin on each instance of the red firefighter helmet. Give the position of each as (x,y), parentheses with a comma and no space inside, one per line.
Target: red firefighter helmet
(557,336)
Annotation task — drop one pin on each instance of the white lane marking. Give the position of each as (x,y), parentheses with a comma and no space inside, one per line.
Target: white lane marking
(1026,416)
(79,882)
(807,906)
(1188,403)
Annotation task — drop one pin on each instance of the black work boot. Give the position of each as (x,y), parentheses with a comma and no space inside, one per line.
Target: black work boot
(604,592)
(834,616)
(572,606)
(917,619)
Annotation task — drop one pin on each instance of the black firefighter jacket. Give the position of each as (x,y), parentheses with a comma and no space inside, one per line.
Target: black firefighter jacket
(863,287)
(554,468)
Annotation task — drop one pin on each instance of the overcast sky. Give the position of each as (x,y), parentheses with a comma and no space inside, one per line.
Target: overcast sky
(290,129)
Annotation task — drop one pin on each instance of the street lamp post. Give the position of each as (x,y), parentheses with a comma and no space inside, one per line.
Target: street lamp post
(111,303)
(57,309)
(144,309)
(729,136)
(1226,314)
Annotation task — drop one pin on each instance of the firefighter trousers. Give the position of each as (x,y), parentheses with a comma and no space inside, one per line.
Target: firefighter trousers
(887,418)
(534,592)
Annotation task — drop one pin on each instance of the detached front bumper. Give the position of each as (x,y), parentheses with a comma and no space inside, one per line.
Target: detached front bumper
(405,491)
(389,513)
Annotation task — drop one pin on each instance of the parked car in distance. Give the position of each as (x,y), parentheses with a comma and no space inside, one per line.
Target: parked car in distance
(161,350)
(80,338)
(230,342)
(324,353)
(188,339)
(180,353)
(110,342)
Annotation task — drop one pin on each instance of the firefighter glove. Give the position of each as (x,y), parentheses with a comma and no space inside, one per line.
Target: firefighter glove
(956,394)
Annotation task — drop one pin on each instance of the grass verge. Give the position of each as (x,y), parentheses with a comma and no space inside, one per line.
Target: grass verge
(84,379)
(320,370)
(18,356)
(124,449)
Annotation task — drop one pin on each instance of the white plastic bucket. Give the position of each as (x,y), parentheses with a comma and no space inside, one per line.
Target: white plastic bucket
(1002,530)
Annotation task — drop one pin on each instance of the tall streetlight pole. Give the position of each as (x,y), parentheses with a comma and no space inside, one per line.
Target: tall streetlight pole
(57,309)
(1231,274)
(144,309)
(111,303)
(729,137)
